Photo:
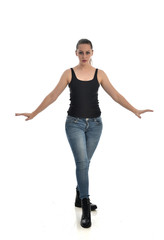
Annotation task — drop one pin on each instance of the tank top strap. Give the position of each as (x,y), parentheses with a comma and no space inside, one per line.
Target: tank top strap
(95,76)
(73,73)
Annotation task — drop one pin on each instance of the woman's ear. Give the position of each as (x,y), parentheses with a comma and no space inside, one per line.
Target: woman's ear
(76,52)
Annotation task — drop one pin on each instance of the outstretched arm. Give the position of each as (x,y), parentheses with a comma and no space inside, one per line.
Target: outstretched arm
(107,86)
(50,98)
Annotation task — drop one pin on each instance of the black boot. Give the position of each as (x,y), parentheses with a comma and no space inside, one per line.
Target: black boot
(86,213)
(78,201)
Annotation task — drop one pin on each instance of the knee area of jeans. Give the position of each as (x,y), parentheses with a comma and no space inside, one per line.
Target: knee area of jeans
(82,167)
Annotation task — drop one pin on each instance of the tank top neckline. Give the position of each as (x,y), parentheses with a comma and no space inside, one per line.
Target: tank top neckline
(85,80)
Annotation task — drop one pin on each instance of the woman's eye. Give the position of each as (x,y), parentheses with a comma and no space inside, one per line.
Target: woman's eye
(82,53)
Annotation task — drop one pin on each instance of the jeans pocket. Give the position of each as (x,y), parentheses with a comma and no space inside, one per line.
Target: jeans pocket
(98,120)
(71,119)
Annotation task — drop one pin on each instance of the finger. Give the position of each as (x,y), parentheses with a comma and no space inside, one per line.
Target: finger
(28,118)
(18,114)
(147,110)
(150,110)
(138,115)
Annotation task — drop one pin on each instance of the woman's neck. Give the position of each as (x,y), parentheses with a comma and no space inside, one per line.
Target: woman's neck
(84,66)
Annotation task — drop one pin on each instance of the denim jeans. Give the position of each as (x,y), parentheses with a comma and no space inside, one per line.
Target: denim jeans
(83,135)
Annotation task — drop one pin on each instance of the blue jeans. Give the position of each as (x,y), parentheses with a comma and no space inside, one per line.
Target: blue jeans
(83,135)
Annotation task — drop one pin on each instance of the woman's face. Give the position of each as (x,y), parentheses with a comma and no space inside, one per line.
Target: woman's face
(84,53)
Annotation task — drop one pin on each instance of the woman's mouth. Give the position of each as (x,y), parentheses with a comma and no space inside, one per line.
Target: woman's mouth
(84,60)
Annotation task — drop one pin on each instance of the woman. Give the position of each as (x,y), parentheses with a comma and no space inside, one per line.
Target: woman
(83,124)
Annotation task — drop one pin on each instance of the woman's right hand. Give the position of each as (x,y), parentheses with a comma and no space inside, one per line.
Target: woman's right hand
(28,115)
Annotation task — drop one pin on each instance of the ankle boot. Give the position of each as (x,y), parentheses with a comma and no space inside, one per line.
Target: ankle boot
(78,201)
(86,213)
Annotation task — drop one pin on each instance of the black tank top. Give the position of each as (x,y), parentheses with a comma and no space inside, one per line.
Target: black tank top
(84,97)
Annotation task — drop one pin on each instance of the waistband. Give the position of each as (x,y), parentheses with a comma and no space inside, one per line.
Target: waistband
(87,119)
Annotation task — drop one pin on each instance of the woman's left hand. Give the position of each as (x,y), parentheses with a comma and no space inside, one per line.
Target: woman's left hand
(139,112)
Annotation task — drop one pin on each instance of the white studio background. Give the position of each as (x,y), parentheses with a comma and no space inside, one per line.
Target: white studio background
(37,172)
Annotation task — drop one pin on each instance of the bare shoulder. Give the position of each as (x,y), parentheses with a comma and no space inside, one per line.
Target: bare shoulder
(67,75)
(101,75)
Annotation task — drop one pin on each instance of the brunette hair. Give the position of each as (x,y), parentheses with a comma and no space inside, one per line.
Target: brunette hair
(84,41)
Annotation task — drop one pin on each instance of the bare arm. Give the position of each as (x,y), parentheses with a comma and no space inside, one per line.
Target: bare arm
(50,98)
(107,86)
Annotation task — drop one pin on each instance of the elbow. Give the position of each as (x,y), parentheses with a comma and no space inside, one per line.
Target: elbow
(53,97)
(117,98)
